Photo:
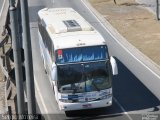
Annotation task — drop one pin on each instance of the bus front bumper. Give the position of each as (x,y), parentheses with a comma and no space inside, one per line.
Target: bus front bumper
(87,105)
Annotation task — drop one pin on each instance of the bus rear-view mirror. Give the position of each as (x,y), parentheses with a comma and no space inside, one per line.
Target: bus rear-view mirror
(114,66)
(54,72)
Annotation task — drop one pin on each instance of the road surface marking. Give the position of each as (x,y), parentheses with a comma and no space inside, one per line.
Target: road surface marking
(2,8)
(124,111)
(41,98)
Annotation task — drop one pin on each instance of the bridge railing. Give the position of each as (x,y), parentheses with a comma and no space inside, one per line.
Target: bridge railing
(5,63)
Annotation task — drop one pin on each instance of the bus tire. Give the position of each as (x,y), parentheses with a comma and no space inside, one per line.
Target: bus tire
(53,90)
(44,66)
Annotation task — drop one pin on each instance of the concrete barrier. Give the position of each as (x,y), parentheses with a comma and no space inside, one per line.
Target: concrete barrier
(138,63)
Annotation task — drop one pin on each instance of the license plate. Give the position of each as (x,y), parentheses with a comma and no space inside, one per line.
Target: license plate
(86,105)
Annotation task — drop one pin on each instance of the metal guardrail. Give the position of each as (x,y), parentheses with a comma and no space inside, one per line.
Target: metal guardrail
(3,41)
(5,64)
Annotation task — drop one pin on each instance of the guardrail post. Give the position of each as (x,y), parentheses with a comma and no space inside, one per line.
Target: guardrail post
(28,57)
(17,57)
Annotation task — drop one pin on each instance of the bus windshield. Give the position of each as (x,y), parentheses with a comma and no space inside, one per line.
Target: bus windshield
(81,54)
(83,77)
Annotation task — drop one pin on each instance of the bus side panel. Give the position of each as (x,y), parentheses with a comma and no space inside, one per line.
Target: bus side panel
(46,57)
(41,45)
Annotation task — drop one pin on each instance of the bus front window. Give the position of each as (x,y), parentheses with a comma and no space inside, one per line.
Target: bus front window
(68,77)
(86,77)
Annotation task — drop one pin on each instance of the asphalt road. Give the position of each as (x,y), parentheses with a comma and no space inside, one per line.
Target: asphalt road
(131,98)
(1,4)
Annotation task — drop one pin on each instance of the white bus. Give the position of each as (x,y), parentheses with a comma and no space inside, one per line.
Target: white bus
(76,59)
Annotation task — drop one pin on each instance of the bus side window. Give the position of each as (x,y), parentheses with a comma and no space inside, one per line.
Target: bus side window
(52,54)
(46,38)
(50,46)
(42,31)
(48,43)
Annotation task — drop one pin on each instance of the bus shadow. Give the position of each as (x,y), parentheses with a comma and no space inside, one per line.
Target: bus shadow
(131,93)
(98,113)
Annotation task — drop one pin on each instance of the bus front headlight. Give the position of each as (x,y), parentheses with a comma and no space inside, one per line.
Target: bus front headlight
(106,96)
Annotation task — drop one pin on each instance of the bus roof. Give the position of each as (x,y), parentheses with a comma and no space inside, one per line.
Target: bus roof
(67,28)
(63,20)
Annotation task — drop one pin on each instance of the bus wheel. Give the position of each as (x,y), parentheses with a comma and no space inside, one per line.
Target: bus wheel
(45,71)
(53,88)
(44,66)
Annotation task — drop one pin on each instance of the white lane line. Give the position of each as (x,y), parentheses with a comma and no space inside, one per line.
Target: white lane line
(118,41)
(124,111)
(2,8)
(40,96)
